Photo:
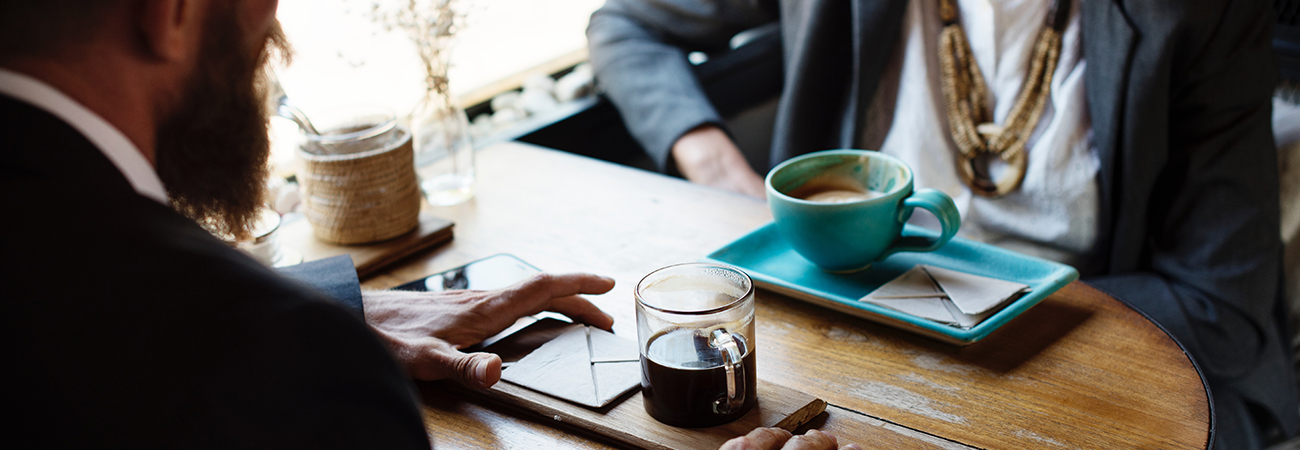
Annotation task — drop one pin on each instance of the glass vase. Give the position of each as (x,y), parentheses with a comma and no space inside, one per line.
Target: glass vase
(444,153)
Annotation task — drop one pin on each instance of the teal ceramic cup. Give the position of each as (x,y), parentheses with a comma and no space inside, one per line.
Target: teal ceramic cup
(851,234)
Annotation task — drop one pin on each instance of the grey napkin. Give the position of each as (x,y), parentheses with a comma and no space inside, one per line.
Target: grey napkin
(946,296)
(584,365)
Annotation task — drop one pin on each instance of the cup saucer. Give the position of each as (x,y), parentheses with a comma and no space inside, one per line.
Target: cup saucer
(774,266)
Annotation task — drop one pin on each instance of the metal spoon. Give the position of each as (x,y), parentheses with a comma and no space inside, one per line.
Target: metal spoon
(278,101)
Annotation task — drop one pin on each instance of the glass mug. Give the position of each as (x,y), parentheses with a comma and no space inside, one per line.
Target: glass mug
(695,329)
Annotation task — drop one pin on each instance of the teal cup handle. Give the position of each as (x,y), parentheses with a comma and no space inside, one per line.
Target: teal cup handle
(942,207)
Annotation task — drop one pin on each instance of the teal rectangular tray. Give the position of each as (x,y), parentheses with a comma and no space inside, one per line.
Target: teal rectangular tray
(773,265)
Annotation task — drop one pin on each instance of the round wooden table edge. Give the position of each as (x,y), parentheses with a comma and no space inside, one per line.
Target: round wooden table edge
(1209,399)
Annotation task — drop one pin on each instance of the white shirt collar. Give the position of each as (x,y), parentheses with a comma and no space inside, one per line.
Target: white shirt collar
(108,139)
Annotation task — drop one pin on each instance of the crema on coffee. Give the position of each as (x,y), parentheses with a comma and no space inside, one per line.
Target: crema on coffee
(834,189)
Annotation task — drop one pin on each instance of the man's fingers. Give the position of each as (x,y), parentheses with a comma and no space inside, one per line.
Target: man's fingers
(812,440)
(759,439)
(442,361)
(559,293)
(582,311)
(549,285)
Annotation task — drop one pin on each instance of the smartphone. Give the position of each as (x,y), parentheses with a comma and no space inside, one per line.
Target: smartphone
(494,272)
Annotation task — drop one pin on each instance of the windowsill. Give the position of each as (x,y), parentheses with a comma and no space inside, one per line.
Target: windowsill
(343,58)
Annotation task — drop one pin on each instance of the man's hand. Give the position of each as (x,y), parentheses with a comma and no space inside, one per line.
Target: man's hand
(426,330)
(705,155)
(776,438)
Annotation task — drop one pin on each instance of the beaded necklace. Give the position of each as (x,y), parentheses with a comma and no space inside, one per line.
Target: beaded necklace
(970,120)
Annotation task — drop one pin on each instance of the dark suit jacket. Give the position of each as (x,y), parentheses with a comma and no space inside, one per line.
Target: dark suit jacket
(127,325)
(1179,98)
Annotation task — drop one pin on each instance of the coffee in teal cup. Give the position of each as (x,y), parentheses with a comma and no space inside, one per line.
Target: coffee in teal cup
(844,209)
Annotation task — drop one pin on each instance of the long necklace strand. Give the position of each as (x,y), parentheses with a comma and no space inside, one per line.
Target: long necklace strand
(969,116)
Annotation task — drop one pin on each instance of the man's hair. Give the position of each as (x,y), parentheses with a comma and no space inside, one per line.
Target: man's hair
(35,27)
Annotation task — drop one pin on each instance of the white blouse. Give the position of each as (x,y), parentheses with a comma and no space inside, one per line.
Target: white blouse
(1054,212)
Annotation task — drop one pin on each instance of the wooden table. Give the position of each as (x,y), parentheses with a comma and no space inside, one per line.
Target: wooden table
(1080,370)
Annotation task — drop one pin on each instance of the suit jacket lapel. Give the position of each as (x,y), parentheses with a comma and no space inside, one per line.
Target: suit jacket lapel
(877,25)
(817,69)
(834,52)
(29,135)
(1108,39)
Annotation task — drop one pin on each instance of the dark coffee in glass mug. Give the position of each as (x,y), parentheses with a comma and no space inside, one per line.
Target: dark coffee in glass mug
(695,327)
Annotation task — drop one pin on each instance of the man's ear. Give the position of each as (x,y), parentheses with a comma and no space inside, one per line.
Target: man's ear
(170,28)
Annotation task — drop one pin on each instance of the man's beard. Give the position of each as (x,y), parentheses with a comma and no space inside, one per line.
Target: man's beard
(212,148)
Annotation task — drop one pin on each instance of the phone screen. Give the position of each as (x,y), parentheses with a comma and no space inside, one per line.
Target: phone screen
(493,272)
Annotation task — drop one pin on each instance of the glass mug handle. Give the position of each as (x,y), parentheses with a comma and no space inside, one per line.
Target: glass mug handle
(731,361)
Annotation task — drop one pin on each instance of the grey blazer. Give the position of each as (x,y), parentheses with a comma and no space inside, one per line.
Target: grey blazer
(1179,98)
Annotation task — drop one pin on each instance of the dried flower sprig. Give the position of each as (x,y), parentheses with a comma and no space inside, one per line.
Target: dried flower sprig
(432,26)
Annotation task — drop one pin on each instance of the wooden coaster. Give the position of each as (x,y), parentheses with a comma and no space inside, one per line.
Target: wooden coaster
(626,420)
(369,258)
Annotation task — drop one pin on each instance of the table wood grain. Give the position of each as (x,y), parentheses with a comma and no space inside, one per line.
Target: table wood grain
(1080,370)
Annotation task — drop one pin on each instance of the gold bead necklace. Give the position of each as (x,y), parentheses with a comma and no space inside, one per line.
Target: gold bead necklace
(970,120)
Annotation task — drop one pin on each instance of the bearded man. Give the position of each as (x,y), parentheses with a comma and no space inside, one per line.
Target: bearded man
(125,122)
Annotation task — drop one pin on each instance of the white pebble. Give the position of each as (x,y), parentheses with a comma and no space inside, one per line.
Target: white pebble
(505,100)
(577,83)
(539,81)
(505,118)
(537,101)
(287,199)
